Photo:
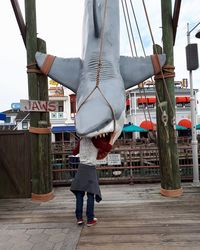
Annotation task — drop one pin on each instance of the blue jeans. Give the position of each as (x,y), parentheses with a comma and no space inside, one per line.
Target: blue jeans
(79,205)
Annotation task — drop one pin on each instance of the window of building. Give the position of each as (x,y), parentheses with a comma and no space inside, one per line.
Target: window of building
(60,106)
(53,115)
(72,104)
(8,119)
(141,105)
(59,137)
(60,115)
(25,125)
(151,105)
(149,102)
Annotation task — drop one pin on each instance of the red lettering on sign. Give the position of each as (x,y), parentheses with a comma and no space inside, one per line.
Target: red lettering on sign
(40,106)
(43,105)
(35,106)
(52,106)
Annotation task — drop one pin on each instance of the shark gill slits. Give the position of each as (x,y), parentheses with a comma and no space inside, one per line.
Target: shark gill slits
(106,72)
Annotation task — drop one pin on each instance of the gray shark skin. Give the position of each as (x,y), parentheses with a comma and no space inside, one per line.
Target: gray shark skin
(100,110)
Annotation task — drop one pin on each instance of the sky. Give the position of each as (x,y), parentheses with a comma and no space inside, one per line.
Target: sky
(59,23)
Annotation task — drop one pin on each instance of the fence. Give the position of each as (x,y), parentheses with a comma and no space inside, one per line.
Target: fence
(139,163)
(15,164)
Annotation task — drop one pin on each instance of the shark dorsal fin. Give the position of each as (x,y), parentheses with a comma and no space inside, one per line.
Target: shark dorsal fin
(97,19)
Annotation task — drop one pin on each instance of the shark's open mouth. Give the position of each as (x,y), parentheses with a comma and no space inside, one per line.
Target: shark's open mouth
(103,138)
(103,143)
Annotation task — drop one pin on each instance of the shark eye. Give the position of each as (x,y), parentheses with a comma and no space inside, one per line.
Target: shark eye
(107,122)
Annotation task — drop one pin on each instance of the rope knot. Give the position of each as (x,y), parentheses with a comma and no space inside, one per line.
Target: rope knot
(167,72)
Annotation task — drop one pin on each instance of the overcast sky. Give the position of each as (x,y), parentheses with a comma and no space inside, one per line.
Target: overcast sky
(59,23)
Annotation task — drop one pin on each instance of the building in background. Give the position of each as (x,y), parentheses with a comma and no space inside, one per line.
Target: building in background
(141,106)
(22,120)
(62,122)
(140,110)
(9,123)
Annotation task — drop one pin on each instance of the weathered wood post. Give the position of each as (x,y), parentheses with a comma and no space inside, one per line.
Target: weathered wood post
(39,122)
(166,121)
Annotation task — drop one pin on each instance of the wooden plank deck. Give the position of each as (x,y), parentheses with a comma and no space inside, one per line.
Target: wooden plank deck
(131,217)
(138,218)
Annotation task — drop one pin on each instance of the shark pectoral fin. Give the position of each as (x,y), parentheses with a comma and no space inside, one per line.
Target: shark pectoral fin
(65,71)
(137,69)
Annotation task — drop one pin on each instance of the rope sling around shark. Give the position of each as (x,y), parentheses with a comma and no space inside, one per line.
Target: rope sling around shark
(101,76)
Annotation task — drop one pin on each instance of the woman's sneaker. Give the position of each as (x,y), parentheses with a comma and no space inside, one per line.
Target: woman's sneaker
(80,222)
(93,222)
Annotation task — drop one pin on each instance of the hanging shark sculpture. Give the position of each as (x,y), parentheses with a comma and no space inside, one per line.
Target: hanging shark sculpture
(101,76)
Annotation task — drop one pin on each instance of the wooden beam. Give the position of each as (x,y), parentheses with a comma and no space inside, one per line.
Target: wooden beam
(20,20)
(177,6)
(38,90)
(167,138)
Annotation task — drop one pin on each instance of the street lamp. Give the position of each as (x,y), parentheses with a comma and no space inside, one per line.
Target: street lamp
(192,64)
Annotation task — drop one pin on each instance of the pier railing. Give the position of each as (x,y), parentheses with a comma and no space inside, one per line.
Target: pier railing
(136,162)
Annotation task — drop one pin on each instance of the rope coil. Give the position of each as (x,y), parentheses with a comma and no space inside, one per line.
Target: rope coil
(167,72)
(32,68)
(36,130)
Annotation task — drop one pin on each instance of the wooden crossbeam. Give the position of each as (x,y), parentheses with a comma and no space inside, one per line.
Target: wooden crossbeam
(20,20)
(177,6)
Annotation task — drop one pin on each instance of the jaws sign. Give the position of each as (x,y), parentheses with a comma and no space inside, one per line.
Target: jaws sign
(38,106)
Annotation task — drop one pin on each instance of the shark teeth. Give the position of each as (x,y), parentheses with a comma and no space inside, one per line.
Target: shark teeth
(101,135)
